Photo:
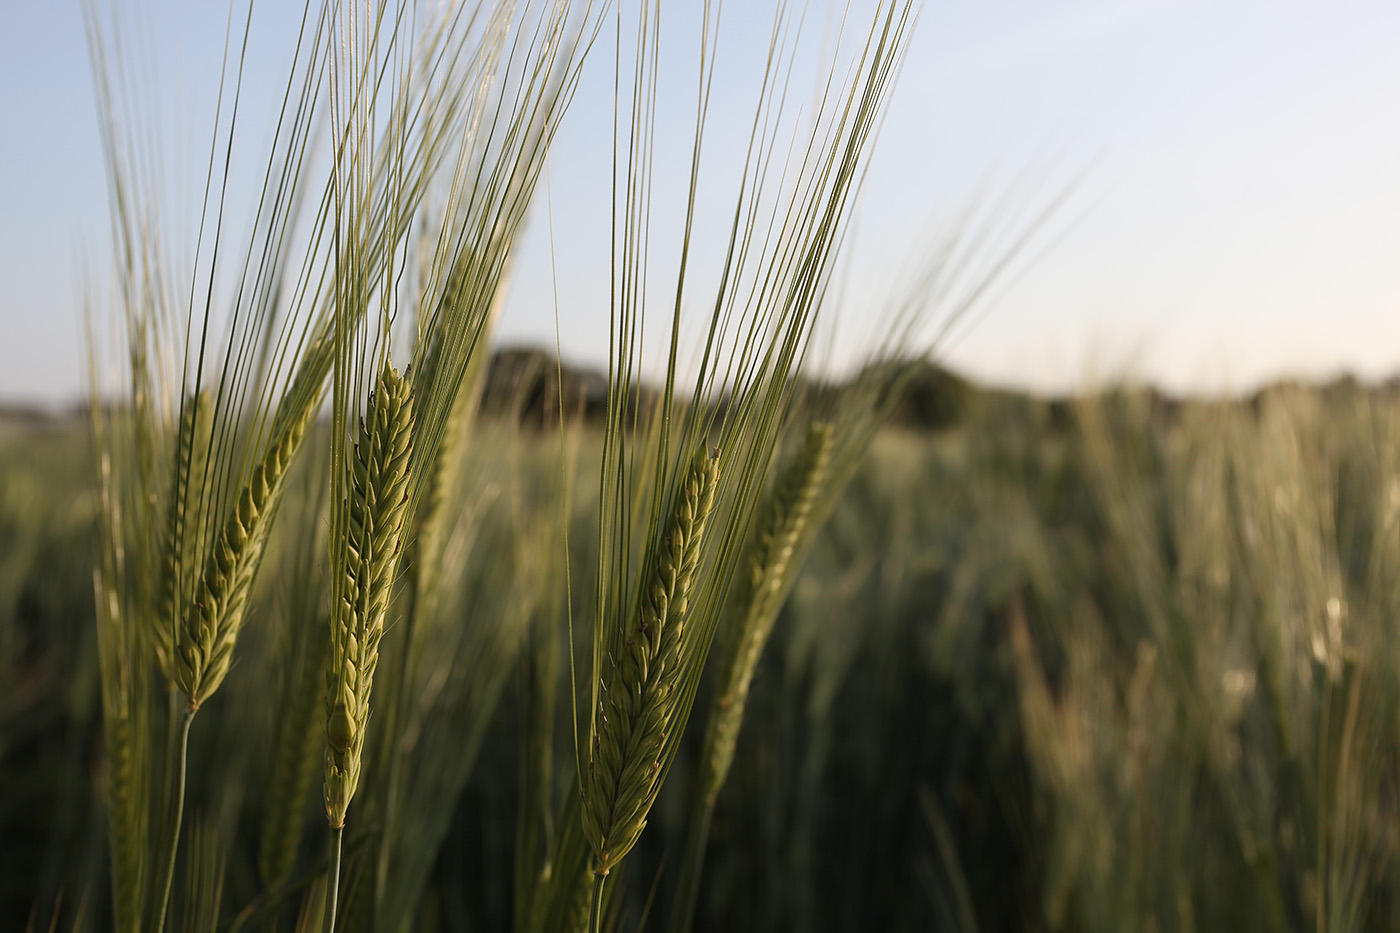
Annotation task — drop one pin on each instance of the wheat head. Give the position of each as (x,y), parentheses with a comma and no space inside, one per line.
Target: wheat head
(205,640)
(770,566)
(181,551)
(377,507)
(126,831)
(635,712)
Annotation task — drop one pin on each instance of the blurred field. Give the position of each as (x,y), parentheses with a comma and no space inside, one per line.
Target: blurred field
(1104,665)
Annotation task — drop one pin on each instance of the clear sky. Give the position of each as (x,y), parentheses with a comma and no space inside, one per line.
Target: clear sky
(1237,214)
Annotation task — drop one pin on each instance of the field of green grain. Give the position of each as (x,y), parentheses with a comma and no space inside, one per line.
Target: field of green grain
(1104,665)
(322,617)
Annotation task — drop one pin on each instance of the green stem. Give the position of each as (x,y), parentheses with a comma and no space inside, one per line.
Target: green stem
(683,907)
(167,777)
(336,833)
(270,900)
(166,872)
(595,909)
(167,766)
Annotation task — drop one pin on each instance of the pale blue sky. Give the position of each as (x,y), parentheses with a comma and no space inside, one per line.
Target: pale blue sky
(1238,216)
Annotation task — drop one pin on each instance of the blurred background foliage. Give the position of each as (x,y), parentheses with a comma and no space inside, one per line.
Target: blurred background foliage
(1108,663)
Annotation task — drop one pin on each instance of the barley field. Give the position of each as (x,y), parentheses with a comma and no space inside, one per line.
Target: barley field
(323,614)
(1093,665)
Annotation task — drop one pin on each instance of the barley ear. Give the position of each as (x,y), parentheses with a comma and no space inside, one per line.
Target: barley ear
(635,712)
(375,513)
(770,568)
(181,551)
(205,640)
(126,829)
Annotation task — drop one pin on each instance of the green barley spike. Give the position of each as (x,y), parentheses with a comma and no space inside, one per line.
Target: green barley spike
(204,649)
(634,714)
(377,507)
(770,567)
(181,552)
(125,830)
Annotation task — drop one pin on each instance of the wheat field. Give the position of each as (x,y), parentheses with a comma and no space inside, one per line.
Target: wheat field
(323,616)
(1108,664)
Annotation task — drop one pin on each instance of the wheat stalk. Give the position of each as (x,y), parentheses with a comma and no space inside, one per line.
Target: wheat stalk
(634,714)
(771,564)
(754,347)
(181,551)
(209,630)
(206,637)
(125,828)
(422,565)
(124,726)
(656,652)
(375,511)
(197,633)
(373,520)
(770,568)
